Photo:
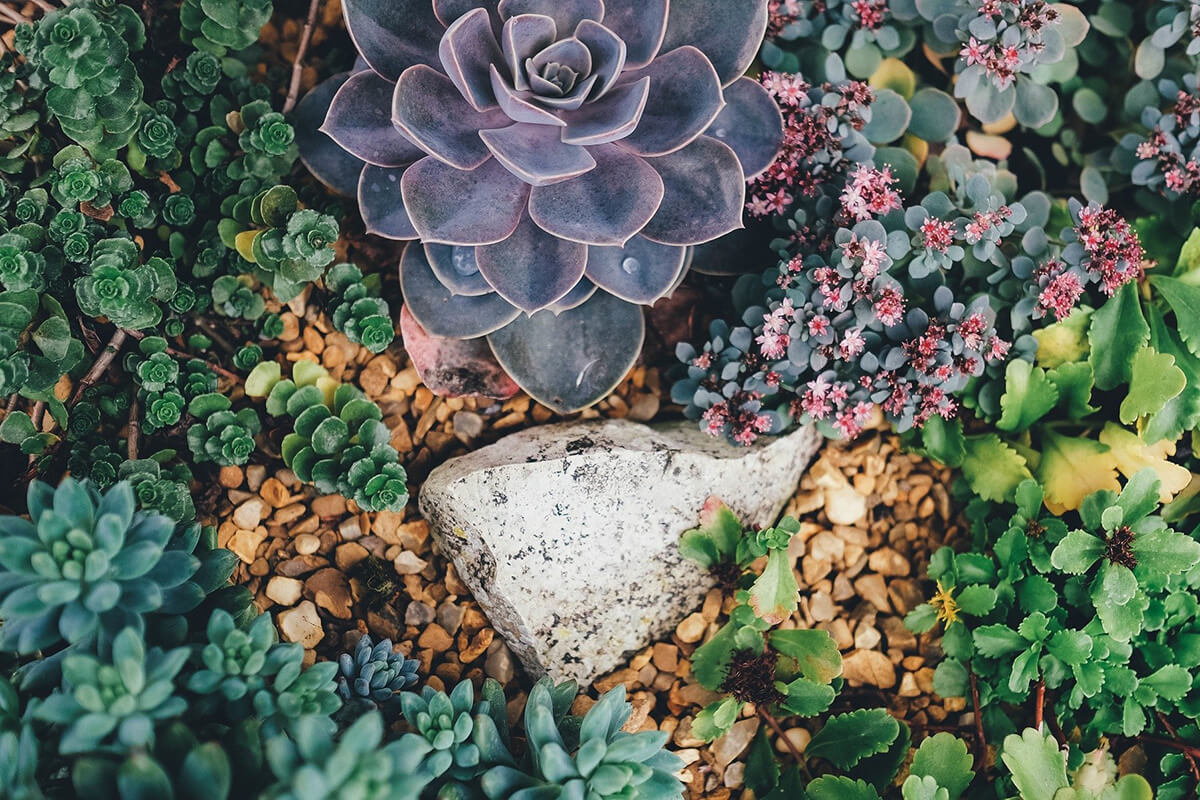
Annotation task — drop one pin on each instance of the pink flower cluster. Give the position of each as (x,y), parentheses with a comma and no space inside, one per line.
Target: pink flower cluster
(1002,57)
(1112,256)
(869,193)
(782,13)
(869,14)
(1182,175)
(986,225)
(739,417)
(811,154)
(1113,251)
(937,235)
(825,399)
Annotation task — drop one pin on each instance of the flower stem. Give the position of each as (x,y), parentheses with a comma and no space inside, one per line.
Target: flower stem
(298,64)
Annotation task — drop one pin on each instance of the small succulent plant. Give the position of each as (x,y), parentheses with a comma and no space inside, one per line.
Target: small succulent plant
(338,441)
(88,563)
(217,26)
(308,764)
(374,675)
(179,765)
(115,703)
(221,435)
(362,316)
(604,762)
(444,725)
(83,50)
(117,286)
(555,161)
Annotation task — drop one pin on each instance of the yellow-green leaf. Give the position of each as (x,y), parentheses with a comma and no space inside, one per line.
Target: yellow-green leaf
(1065,341)
(1130,455)
(1155,380)
(1072,468)
(993,468)
(1028,396)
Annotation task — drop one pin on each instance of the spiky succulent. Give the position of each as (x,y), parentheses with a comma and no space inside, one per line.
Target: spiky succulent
(602,762)
(114,703)
(294,693)
(236,661)
(374,675)
(308,764)
(87,563)
(554,158)
(444,725)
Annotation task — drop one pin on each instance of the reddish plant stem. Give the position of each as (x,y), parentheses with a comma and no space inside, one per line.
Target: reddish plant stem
(301,50)
(1193,766)
(217,368)
(1055,728)
(1039,704)
(135,429)
(774,725)
(980,739)
(101,365)
(1186,749)
(12,403)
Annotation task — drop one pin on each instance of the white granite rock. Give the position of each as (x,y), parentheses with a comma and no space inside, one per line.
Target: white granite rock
(567,534)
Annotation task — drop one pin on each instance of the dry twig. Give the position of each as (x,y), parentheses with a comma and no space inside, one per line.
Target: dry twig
(293,94)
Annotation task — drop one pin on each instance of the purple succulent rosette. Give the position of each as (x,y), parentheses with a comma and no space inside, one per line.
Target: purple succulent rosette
(552,161)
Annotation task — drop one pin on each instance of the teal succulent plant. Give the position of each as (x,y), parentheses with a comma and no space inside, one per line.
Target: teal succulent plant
(373,675)
(218,26)
(88,563)
(310,765)
(115,703)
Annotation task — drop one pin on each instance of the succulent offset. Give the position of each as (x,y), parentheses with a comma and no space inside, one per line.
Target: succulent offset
(554,161)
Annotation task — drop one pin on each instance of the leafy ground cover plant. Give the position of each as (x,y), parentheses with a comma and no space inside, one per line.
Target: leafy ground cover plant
(149,217)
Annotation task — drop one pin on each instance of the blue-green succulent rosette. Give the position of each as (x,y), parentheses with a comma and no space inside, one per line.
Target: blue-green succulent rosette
(553,163)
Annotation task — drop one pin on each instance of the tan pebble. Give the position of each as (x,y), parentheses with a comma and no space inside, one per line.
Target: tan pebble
(306,544)
(331,505)
(866,637)
(289,514)
(409,563)
(908,686)
(821,607)
(284,591)
(925,679)
(666,656)
(330,592)
(735,741)
(255,475)
(245,543)
(872,589)
(888,562)
(626,676)
(479,644)
(799,738)
(954,704)
(249,513)
(844,506)
(840,632)
(349,529)
(349,555)
(814,569)
(712,605)
(500,666)
(275,493)
(230,477)
(870,668)
(692,628)
(435,638)
(301,624)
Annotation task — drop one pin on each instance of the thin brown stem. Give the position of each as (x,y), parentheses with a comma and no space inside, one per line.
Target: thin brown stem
(215,335)
(43,5)
(217,368)
(12,403)
(1039,704)
(1187,749)
(980,739)
(101,365)
(37,415)
(135,429)
(293,94)
(774,725)
(1193,765)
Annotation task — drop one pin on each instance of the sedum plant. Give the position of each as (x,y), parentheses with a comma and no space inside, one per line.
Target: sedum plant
(218,26)
(88,564)
(221,435)
(585,148)
(358,312)
(338,441)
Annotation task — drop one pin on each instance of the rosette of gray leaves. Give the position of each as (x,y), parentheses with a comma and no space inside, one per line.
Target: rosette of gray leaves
(553,162)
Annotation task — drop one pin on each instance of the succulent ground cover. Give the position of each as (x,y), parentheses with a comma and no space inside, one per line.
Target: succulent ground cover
(263,265)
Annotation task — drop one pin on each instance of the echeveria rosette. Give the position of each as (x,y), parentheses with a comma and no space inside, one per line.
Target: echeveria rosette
(554,159)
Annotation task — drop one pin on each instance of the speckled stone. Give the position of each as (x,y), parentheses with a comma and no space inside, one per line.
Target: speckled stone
(567,534)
